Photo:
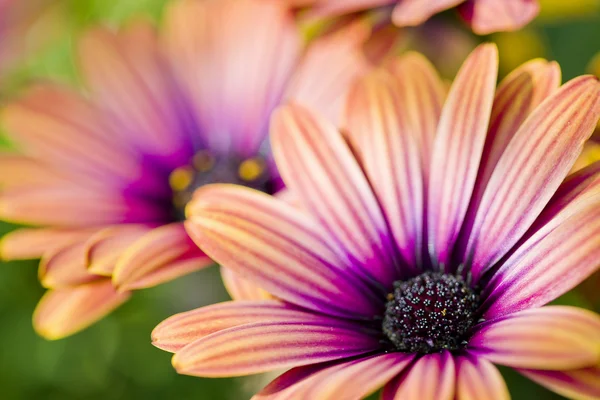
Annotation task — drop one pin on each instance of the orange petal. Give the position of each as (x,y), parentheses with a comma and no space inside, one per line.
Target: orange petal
(333,187)
(161,255)
(127,77)
(324,89)
(64,130)
(516,97)
(28,243)
(279,248)
(65,267)
(182,329)
(488,16)
(415,12)
(432,377)
(531,169)
(233,58)
(240,288)
(547,338)
(107,245)
(457,149)
(20,171)
(478,379)
(347,380)
(268,346)
(582,384)
(63,312)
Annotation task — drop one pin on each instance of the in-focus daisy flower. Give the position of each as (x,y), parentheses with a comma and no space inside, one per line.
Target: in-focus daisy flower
(421,252)
(484,16)
(105,177)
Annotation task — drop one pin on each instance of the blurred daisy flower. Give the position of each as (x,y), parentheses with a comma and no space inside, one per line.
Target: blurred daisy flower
(483,16)
(428,237)
(104,177)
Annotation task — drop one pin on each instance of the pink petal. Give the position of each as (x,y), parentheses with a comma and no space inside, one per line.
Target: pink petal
(104,248)
(457,149)
(233,60)
(516,97)
(432,377)
(583,384)
(548,338)
(347,380)
(279,248)
(182,329)
(28,243)
(333,187)
(322,8)
(18,171)
(415,12)
(544,268)
(74,207)
(160,255)
(479,379)
(60,128)
(242,288)
(130,81)
(329,65)
(422,93)
(531,169)
(268,346)
(488,16)
(65,267)
(63,312)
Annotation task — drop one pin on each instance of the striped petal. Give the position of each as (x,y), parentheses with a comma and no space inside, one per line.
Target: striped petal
(104,248)
(488,16)
(129,80)
(60,128)
(548,338)
(178,331)
(543,269)
(479,379)
(415,12)
(324,89)
(432,377)
(233,59)
(457,149)
(422,93)
(516,97)
(70,206)
(29,243)
(65,267)
(333,187)
(63,312)
(582,384)
(531,169)
(268,346)
(355,379)
(161,255)
(242,288)
(279,248)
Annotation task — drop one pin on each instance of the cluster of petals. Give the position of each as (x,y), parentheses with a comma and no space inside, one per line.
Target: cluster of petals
(473,180)
(91,176)
(484,16)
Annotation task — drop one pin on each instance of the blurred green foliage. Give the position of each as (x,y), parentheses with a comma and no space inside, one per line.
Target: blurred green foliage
(114,359)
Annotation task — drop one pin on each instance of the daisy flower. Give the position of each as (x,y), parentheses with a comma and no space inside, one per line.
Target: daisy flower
(428,237)
(104,176)
(484,16)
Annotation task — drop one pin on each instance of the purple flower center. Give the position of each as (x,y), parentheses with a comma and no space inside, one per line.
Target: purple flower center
(430,312)
(207,168)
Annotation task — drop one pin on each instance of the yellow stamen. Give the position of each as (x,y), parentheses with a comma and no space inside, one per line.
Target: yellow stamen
(251,169)
(203,161)
(181,178)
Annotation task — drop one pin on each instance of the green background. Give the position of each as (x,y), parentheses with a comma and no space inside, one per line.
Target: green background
(114,358)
